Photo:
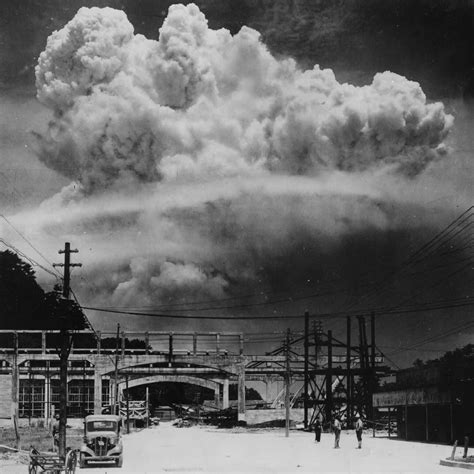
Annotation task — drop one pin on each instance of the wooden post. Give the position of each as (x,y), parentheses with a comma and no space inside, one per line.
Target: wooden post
(287,384)
(43,342)
(348,371)
(406,420)
(47,395)
(306,368)
(315,366)
(372,371)
(128,405)
(65,347)
(170,347)
(241,343)
(15,388)
(99,342)
(241,392)
(329,379)
(63,366)
(389,421)
(123,344)
(97,391)
(427,426)
(116,405)
(194,343)
(147,406)
(453,452)
(451,420)
(218,336)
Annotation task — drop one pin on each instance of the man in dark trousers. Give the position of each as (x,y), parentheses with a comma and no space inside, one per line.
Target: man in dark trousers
(317,430)
(337,431)
(359,427)
(56,432)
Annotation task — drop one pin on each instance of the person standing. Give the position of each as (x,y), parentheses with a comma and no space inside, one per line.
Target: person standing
(317,430)
(55,432)
(359,426)
(337,432)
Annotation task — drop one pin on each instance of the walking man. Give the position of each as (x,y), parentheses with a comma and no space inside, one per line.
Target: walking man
(317,430)
(337,431)
(359,426)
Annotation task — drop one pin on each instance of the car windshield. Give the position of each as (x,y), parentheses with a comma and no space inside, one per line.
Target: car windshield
(102,425)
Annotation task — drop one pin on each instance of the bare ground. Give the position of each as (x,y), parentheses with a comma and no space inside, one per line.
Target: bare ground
(205,449)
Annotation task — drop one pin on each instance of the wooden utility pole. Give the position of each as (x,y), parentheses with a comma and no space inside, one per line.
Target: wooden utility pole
(372,372)
(15,378)
(128,405)
(306,367)
(349,402)
(147,406)
(287,384)
(116,402)
(329,405)
(65,345)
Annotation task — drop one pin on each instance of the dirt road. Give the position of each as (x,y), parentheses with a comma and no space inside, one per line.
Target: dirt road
(206,449)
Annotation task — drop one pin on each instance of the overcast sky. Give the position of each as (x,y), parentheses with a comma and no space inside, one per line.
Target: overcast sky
(200,164)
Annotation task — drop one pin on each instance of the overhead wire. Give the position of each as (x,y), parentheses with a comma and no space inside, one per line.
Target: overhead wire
(29,243)
(427,250)
(32,261)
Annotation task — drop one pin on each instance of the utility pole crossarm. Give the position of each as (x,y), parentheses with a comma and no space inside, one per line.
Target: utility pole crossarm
(67,267)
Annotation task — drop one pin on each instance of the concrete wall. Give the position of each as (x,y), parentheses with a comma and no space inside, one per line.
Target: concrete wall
(5,395)
(254,417)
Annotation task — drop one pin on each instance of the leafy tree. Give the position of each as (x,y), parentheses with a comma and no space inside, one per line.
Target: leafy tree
(25,305)
(21,298)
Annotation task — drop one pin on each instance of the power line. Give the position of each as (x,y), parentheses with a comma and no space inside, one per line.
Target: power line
(436,337)
(28,242)
(420,307)
(426,249)
(27,258)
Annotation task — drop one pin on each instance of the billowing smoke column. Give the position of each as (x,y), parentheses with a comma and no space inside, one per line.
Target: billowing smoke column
(200,103)
(199,106)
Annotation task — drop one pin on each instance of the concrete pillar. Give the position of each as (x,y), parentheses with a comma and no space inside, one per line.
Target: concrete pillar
(47,399)
(225,394)
(241,393)
(97,392)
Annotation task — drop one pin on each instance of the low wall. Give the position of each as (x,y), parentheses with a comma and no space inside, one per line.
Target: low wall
(255,417)
(39,422)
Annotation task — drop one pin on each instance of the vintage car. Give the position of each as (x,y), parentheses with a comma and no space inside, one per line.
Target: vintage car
(102,441)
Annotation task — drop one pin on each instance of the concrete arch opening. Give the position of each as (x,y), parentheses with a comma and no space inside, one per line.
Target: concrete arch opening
(172,390)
